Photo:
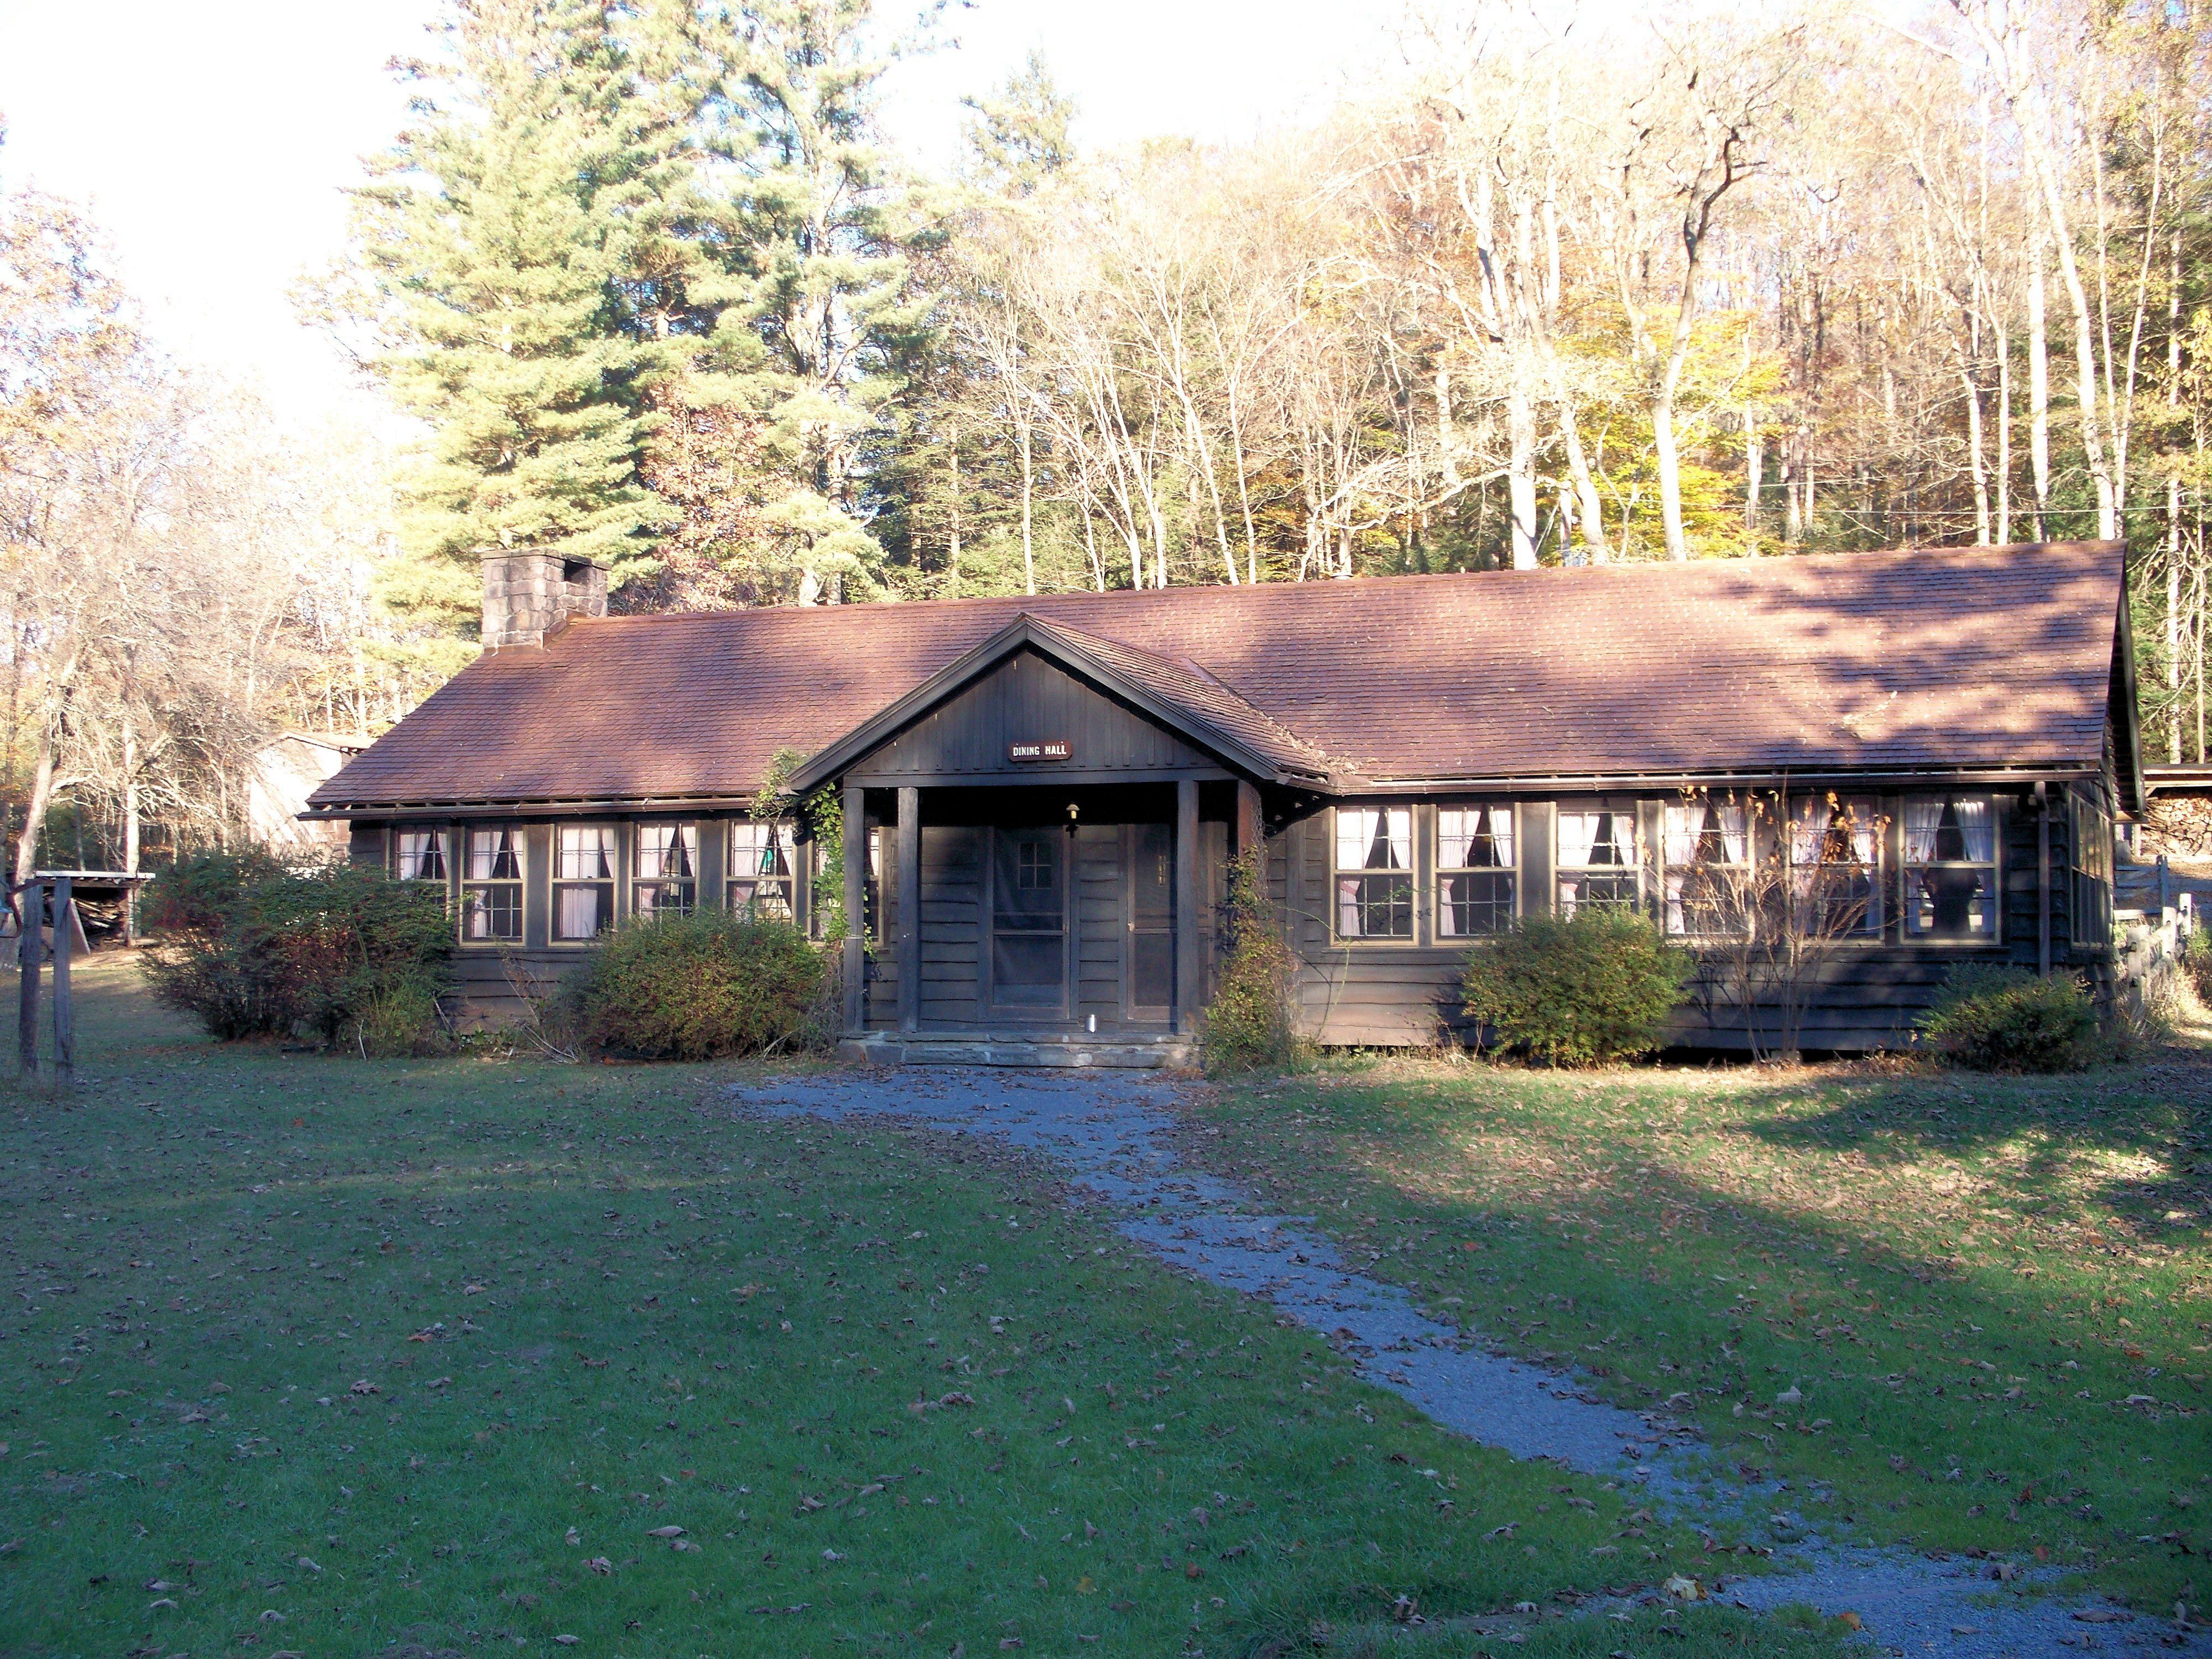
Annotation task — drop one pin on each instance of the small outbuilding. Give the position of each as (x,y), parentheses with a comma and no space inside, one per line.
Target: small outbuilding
(1042,795)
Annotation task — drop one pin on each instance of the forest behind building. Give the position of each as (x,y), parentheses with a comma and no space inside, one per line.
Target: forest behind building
(653,287)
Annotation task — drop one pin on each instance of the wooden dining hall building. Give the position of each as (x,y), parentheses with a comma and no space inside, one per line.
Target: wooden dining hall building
(1042,794)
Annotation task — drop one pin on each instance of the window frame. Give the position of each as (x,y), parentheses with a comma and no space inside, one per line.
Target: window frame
(685,835)
(471,884)
(1874,926)
(783,836)
(2089,825)
(609,884)
(437,833)
(1408,874)
(1908,867)
(1631,867)
(1508,871)
(1674,874)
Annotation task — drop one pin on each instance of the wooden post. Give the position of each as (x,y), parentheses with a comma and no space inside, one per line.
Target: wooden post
(65,1025)
(31,898)
(910,908)
(2042,880)
(856,909)
(1185,906)
(1247,828)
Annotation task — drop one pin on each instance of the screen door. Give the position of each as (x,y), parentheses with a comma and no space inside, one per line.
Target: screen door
(1152,922)
(1028,922)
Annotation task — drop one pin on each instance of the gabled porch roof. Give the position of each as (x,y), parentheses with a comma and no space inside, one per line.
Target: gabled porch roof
(1180,697)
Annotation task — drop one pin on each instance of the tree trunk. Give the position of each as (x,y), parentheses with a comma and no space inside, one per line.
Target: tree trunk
(1521,474)
(2039,392)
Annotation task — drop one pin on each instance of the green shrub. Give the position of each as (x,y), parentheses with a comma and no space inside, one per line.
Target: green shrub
(1581,992)
(2196,963)
(197,894)
(340,952)
(702,986)
(1247,1024)
(2007,1019)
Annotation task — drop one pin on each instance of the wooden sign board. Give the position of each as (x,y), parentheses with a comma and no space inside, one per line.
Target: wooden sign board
(1055,749)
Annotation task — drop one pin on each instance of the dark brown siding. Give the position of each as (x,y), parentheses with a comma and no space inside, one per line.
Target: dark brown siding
(1028,700)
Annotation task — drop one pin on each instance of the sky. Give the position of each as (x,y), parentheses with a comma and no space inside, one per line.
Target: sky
(212,139)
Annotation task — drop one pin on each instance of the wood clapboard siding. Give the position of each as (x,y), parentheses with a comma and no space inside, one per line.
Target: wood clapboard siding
(1101,920)
(952,925)
(1029,700)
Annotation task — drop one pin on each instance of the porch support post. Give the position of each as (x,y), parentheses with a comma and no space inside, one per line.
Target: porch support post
(1185,906)
(1248,816)
(909,909)
(2043,879)
(856,906)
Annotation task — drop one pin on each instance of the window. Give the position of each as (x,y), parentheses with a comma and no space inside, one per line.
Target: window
(1029,922)
(491,887)
(1374,873)
(1597,860)
(2092,843)
(419,855)
(762,859)
(583,880)
(1951,868)
(665,869)
(1835,867)
(1709,884)
(1474,871)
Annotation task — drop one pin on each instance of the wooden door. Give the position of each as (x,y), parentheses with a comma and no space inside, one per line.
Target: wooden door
(1028,922)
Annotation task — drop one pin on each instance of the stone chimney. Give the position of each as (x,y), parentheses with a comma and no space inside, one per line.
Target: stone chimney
(529,594)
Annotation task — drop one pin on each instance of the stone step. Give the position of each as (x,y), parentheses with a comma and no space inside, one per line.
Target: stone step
(933,1049)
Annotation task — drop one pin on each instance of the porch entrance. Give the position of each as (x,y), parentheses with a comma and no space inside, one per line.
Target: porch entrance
(1082,921)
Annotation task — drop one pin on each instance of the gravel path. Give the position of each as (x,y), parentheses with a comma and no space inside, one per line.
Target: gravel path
(1111,1131)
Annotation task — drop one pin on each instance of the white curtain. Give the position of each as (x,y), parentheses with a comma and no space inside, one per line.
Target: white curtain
(664,849)
(579,912)
(1685,827)
(420,855)
(1459,829)
(491,855)
(1369,839)
(1815,816)
(1975,818)
(1577,830)
(587,852)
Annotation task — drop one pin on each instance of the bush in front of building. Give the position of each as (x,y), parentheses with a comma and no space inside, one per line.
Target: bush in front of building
(1584,990)
(709,986)
(339,953)
(2006,1019)
(1247,1026)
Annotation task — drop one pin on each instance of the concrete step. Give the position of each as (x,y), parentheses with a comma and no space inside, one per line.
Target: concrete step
(981,1048)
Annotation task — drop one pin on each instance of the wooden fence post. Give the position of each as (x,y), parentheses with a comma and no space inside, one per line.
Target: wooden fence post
(31,908)
(65,1023)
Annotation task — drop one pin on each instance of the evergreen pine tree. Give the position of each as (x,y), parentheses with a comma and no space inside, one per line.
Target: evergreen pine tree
(515,235)
(818,314)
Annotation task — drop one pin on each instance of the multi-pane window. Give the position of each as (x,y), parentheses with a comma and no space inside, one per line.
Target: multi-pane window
(1951,868)
(1597,862)
(763,863)
(1474,871)
(491,887)
(1709,884)
(1373,873)
(2092,839)
(583,880)
(665,869)
(1835,865)
(418,854)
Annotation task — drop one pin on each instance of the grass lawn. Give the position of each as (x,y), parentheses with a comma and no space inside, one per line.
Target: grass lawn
(1986,1305)
(318,1356)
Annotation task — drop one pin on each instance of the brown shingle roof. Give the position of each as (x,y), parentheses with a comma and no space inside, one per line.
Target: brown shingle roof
(1971,658)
